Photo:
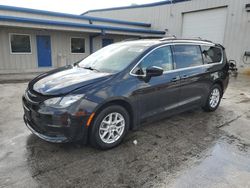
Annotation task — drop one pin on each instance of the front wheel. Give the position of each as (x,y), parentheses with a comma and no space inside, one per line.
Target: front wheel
(109,127)
(214,98)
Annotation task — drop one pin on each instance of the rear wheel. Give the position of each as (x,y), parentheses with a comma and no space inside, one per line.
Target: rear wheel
(109,127)
(214,98)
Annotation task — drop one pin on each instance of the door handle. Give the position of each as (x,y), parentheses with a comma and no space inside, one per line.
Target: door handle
(175,79)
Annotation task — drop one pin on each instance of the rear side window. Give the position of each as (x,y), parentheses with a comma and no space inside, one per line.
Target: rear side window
(211,54)
(187,56)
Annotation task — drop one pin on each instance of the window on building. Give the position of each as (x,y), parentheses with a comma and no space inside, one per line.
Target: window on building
(161,57)
(20,43)
(211,54)
(106,42)
(187,56)
(77,45)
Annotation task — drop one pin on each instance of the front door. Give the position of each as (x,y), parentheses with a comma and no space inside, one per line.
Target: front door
(43,51)
(161,93)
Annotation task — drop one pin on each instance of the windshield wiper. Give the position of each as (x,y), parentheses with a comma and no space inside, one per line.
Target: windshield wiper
(91,68)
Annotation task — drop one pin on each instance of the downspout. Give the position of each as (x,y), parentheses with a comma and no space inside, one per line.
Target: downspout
(91,37)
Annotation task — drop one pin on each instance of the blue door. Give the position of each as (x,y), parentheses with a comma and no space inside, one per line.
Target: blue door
(106,42)
(43,51)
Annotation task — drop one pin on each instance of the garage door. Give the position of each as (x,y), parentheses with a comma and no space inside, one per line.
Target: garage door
(207,24)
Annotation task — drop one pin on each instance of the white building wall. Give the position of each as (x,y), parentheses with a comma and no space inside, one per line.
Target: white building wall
(60,51)
(170,17)
(60,37)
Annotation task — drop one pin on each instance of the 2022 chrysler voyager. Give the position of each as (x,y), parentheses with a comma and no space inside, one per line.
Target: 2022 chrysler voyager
(100,98)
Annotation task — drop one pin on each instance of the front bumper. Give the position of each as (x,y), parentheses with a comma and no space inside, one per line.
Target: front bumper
(54,139)
(53,125)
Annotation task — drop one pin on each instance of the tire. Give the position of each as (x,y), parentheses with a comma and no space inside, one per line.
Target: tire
(215,94)
(105,132)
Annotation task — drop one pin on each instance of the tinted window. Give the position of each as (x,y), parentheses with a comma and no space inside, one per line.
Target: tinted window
(77,45)
(20,43)
(161,57)
(211,54)
(187,56)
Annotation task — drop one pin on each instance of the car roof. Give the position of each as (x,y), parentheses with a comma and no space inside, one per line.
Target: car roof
(167,40)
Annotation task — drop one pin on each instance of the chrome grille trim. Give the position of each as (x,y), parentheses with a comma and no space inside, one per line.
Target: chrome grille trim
(29,99)
(32,95)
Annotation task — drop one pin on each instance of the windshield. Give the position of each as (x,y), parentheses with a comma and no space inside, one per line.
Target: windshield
(113,58)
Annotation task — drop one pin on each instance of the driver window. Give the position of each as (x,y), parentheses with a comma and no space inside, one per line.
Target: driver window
(161,57)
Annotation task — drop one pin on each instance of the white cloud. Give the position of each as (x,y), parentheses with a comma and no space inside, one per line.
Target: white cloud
(72,6)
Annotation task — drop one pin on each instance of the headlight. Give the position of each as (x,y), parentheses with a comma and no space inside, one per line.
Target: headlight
(62,102)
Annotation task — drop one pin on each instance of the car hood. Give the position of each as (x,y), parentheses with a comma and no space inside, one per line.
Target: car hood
(65,80)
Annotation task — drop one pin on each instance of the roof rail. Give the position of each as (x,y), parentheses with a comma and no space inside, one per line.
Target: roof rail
(141,37)
(150,37)
(129,39)
(197,38)
(172,37)
(207,40)
(168,38)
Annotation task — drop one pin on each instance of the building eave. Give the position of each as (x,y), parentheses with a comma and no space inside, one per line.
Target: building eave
(65,15)
(102,28)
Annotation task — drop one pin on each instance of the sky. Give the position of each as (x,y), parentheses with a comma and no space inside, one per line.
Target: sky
(72,6)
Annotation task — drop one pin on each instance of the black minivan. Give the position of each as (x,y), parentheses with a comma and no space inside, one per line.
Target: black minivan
(115,89)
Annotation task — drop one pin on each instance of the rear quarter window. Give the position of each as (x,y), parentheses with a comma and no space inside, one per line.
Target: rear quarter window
(211,54)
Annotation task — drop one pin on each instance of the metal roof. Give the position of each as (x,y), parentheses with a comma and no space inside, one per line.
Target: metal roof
(102,28)
(58,14)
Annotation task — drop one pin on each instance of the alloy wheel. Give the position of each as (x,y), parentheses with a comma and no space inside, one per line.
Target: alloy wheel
(214,98)
(112,127)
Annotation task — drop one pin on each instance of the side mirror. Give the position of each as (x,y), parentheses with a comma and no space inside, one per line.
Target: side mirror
(232,65)
(154,71)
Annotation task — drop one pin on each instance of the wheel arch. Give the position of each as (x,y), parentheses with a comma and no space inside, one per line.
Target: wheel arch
(220,83)
(121,102)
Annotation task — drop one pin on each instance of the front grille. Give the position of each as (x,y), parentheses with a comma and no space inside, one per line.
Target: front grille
(37,121)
